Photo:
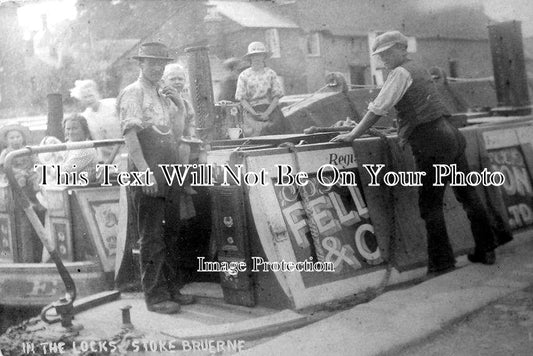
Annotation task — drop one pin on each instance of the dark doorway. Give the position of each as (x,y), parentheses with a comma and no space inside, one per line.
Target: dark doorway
(357,74)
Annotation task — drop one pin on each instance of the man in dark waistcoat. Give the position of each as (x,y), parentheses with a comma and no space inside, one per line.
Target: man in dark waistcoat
(149,118)
(421,120)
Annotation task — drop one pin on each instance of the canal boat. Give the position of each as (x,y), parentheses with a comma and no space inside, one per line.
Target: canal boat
(299,215)
(81,223)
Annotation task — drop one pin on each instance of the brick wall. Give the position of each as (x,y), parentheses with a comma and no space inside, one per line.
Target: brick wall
(473,56)
(304,74)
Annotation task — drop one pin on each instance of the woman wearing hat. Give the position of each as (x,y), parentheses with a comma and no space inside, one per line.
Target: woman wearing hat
(259,91)
(15,137)
(422,124)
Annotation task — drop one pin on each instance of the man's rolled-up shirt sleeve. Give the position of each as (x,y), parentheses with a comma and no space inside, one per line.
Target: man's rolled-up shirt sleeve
(397,83)
(130,110)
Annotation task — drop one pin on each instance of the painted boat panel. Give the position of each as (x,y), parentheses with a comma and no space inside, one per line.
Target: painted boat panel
(84,228)
(279,228)
(34,284)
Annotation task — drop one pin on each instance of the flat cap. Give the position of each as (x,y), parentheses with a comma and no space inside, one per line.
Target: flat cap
(386,40)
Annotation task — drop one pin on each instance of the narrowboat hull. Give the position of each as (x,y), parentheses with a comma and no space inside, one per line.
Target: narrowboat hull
(355,226)
(38,284)
(83,224)
(373,235)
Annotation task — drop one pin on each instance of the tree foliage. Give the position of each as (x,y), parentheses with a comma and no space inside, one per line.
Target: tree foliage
(98,44)
(114,19)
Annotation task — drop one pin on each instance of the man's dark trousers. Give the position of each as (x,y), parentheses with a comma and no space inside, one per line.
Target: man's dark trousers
(438,142)
(158,226)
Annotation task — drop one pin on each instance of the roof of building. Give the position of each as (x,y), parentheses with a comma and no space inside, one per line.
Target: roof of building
(420,18)
(413,17)
(249,14)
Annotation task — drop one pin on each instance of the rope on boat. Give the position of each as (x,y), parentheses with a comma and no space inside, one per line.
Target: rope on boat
(306,98)
(364,86)
(313,228)
(469,80)
(278,231)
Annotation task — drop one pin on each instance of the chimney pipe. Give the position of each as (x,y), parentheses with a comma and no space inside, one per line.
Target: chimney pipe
(54,125)
(201,90)
(509,68)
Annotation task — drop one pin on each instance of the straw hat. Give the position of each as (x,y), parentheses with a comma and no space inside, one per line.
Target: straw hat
(257,48)
(155,50)
(11,127)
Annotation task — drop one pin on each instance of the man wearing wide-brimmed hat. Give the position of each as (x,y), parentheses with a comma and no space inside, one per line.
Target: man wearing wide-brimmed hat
(151,120)
(422,124)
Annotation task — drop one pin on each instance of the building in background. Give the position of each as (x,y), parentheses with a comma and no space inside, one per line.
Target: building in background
(309,38)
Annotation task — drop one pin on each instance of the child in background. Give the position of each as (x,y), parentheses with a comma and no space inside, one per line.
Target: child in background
(14,137)
(173,83)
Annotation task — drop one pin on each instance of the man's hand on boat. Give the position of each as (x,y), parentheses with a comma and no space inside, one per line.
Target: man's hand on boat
(367,122)
(345,137)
